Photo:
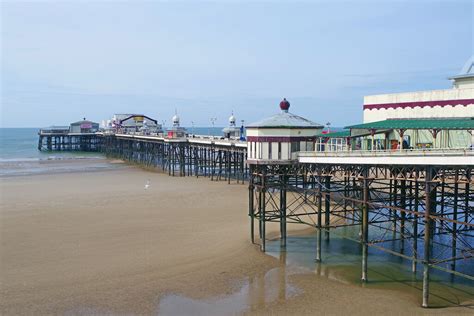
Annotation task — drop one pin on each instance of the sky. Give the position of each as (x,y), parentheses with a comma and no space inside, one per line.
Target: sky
(65,60)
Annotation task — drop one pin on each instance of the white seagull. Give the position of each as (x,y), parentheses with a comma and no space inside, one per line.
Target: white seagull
(147,185)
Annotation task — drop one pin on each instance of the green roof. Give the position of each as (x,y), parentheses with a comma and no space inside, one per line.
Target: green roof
(463,123)
(338,134)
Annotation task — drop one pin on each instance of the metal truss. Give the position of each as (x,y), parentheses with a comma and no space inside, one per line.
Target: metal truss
(181,158)
(421,213)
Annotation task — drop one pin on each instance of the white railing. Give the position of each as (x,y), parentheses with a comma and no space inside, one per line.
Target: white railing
(203,139)
(391,153)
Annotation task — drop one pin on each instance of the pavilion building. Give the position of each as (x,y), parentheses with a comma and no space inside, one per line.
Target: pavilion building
(83,127)
(278,138)
(233,131)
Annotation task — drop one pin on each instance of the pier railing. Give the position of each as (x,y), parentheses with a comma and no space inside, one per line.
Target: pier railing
(391,153)
(201,139)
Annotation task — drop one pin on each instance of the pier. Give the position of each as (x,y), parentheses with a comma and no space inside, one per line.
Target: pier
(402,206)
(405,185)
(206,157)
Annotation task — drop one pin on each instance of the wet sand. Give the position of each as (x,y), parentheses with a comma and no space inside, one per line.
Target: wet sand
(99,243)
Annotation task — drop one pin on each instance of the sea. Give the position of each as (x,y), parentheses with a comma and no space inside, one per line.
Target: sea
(19,154)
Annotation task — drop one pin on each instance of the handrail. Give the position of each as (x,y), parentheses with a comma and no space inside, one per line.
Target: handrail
(390,153)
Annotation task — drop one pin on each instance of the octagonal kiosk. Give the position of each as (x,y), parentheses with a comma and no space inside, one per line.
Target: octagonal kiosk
(278,138)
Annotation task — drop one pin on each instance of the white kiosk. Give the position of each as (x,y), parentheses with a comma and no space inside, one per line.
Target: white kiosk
(232,131)
(278,138)
(176,131)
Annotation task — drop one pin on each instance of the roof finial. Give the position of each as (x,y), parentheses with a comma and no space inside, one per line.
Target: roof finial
(284,105)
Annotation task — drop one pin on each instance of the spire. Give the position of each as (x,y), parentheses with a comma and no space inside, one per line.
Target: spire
(175,118)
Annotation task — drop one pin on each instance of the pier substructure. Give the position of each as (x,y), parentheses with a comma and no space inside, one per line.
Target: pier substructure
(421,213)
(68,142)
(180,157)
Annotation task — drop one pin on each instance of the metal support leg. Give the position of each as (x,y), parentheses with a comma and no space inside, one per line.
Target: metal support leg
(283,211)
(251,213)
(455,218)
(365,226)
(415,227)
(319,223)
(263,220)
(327,207)
(427,239)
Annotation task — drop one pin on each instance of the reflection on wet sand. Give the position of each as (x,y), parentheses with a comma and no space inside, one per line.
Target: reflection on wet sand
(257,292)
(342,263)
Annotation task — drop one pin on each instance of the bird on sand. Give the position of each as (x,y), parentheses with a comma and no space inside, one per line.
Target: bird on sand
(147,185)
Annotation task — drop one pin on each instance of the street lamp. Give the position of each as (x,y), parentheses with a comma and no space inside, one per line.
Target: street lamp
(213,120)
(192,127)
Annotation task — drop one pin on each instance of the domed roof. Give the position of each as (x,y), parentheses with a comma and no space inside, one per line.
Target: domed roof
(232,120)
(285,119)
(175,118)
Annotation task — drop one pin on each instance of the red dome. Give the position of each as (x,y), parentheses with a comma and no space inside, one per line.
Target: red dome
(284,105)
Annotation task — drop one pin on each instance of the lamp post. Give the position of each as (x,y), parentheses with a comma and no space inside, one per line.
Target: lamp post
(213,120)
(192,127)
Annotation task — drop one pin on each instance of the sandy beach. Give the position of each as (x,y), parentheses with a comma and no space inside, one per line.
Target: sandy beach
(100,243)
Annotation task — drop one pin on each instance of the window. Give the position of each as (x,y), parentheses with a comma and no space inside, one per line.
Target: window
(279,151)
(270,151)
(295,146)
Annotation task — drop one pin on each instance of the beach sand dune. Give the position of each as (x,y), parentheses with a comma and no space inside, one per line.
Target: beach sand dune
(100,243)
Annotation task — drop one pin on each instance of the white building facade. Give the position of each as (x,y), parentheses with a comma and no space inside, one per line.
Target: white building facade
(448,103)
(456,103)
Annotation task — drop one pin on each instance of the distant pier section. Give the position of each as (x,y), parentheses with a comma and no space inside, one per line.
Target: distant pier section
(78,136)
